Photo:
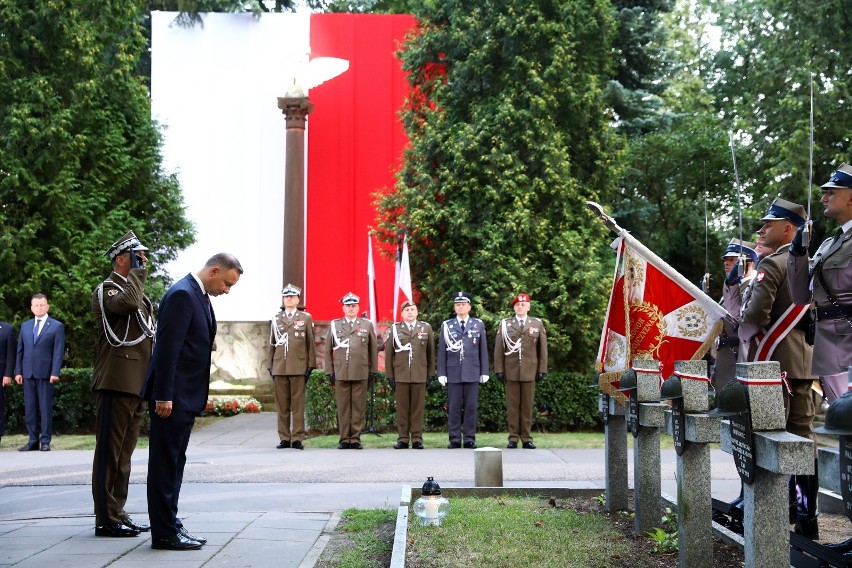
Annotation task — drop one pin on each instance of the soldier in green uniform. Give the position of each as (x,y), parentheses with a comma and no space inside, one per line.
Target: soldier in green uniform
(351,362)
(291,356)
(124,317)
(520,361)
(410,361)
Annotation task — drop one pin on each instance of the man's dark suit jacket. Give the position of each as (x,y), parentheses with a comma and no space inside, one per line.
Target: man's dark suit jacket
(42,359)
(7,350)
(180,367)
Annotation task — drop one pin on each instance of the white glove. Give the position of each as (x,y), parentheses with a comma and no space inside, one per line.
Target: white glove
(442,381)
(483,379)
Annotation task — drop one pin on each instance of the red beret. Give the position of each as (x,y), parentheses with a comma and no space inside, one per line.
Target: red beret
(521,298)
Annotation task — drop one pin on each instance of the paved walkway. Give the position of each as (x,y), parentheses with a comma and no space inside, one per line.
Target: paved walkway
(256,505)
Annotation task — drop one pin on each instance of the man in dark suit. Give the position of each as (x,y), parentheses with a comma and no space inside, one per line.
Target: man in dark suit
(463,364)
(176,388)
(41,347)
(124,317)
(7,367)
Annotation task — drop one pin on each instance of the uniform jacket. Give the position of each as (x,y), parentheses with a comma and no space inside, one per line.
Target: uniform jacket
(299,352)
(474,363)
(767,301)
(180,366)
(129,314)
(531,359)
(833,341)
(42,359)
(362,351)
(7,350)
(422,362)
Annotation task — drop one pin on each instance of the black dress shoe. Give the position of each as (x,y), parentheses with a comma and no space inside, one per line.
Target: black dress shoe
(400,445)
(182,531)
(297,445)
(29,447)
(417,445)
(470,445)
(283,444)
(356,446)
(512,445)
(175,542)
(45,447)
(116,530)
(453,445)
(136,526)
(529,446)
(344,446)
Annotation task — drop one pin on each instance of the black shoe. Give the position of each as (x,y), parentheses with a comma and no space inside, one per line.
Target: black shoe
(470,445)
(116,530)
(400,445)
(45,447)
(529,446)
(29,447)
(182,531)
(344,446)
(453,445)
(283,444)
(297,445)
(417,445)
(512,445)
(175,542)
(356,446)
(136,526)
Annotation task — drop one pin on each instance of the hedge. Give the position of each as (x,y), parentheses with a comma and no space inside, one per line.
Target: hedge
(563,402)
(73,403)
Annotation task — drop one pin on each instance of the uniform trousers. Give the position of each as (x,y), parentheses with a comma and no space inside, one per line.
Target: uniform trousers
(351,399)
(290,398)
(463,405)
(410,402)
(519,405)
(119,419)
(169,439)
(799,408)
(833,386)
(38,409)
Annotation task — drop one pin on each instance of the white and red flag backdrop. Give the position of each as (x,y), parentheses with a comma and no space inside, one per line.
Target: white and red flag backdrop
(653,313)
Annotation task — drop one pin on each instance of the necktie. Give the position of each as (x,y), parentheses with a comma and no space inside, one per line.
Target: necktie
(462,324)
(289,315)
(838,234)
(209,310)
(36,328)
(521,322)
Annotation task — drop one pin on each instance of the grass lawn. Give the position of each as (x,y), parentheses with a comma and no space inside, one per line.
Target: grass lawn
(363,539)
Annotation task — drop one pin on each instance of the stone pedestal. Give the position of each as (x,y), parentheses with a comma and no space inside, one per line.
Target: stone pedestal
(488,467)
(695,509)
(616,457)
(765,397)
(646,480)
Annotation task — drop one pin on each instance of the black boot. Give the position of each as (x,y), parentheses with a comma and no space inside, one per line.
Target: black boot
(806,525)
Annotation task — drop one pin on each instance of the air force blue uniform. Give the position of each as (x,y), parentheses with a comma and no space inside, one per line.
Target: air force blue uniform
(463,359)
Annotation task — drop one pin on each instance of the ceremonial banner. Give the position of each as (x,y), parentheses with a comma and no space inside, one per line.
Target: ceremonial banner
(402,283)
(653,313)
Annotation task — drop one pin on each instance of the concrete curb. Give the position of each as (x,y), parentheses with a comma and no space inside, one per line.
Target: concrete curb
(317,549)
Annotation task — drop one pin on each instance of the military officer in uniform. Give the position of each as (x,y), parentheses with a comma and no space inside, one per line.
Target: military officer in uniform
(124,317)
(739,260)
(462,367)
(520,361)
(827,279)
(291,356)
(351,363)
(771,330)
(410,362)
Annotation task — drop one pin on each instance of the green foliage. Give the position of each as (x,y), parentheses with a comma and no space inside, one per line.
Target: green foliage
(508,138)
(80,159)
(563,402)
(73,403)
(665,537)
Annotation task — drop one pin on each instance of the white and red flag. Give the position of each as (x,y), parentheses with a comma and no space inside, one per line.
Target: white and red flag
(653,313)
(371,281)
(402,283)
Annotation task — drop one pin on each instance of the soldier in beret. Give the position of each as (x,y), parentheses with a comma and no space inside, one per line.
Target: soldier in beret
(351,363)
(462,367)
(827,280)
(410,362)
(124,317)
(520,361)
(291,356)
(739,260)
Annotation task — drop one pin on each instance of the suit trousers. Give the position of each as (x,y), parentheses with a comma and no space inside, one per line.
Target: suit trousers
(169,438)
(410,403)
(38,409)
(2,410)
(290,398)
(519,406)
(463,402)
(799,408)
(119,419)
(833,386)
(351,398)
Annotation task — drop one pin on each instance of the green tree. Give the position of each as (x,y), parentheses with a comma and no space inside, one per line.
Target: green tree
(508,137)
(80,159)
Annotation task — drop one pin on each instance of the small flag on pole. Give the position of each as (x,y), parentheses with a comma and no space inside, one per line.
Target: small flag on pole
(371,279)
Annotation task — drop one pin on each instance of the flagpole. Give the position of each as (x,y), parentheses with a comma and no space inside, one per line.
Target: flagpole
(371,278)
